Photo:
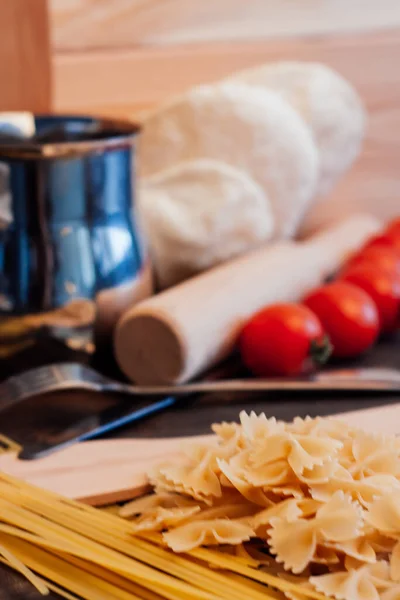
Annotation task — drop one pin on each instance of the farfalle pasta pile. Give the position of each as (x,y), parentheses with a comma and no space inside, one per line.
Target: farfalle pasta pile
(313,499)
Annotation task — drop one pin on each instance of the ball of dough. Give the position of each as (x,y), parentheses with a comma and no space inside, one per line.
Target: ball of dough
(200,213)
(327,102)
(251,129)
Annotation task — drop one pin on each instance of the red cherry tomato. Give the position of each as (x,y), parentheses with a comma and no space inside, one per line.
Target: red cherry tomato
(380,256)
(348,315)
(393,228)
(384,289)
(385,239)
(283,339)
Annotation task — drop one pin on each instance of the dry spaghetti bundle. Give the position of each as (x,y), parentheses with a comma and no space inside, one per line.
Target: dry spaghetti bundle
(314,499)
(82,552)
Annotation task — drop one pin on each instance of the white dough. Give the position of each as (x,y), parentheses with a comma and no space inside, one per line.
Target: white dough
(198,214)
(251,129)
(327,102)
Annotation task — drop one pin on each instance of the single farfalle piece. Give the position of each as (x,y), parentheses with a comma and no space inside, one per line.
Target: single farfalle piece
(293,543)
(308,452)
(333,428)
(382,544)
(363,583)
(376,485)
(259,426)
(301,451)
(276,477)
(363,491)
(199,452)
(340,519)
(339,479)
(320,426)
(303,426)
(163,485)
(269,449)
(308,506)
(287,510)
(230,440)
(346,585)
(206,455)
(318,474)
(384,514)
(226,431)
(269,475)
(236,479)
(229,435)
(196,476)
(212,533)
(374,454)
(359,548)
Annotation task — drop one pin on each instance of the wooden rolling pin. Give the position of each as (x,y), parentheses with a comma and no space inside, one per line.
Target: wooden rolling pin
(179,333)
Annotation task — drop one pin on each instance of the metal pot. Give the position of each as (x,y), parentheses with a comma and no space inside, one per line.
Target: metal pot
(72,256)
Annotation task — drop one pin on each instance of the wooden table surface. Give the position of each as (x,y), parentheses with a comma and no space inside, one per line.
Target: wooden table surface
(197,418)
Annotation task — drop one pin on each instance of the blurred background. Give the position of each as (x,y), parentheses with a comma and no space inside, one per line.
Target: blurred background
(120,57)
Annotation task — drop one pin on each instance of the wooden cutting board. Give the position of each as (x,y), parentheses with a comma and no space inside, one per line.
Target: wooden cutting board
(103,472)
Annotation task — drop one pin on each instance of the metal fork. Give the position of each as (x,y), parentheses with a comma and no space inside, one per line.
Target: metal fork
(73,376)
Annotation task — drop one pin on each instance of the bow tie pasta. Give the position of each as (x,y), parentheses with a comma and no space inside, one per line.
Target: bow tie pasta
(314,501)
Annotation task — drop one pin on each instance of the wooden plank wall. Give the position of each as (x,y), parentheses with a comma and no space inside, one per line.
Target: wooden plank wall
(123,56)
(117,54)
(99,24)
(25,67)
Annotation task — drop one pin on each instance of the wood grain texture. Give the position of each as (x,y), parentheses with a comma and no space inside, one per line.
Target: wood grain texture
(25,64)
(97,24)
(125,79)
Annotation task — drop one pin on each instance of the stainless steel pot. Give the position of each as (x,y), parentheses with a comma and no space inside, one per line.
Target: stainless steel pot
(72,256)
